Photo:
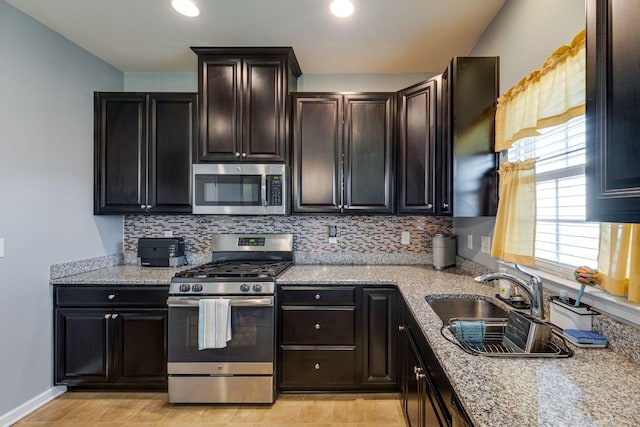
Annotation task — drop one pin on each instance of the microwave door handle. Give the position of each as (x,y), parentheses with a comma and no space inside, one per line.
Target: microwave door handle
(265,202)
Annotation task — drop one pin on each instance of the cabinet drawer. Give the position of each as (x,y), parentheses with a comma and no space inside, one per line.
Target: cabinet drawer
(329,295)
(111,296)
(313,369)
(312,326)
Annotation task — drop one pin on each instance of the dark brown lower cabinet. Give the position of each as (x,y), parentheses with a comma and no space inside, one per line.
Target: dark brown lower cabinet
(117,343)
(427,396)
(337,338)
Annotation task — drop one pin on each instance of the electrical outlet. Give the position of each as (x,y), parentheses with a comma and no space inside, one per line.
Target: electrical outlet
(469,241)
(2,248)
(168,233)
(332,231)
(486,244)
(406,238)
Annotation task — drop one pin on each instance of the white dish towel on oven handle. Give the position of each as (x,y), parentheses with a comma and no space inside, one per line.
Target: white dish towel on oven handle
(214,323)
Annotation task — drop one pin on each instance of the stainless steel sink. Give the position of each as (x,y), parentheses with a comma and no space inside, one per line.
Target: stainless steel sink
(465,307)
(455,310)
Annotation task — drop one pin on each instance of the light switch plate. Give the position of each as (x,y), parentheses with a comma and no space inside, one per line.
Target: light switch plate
(168,233)
(406,238)
(2,248)
(486,244)
(333,240)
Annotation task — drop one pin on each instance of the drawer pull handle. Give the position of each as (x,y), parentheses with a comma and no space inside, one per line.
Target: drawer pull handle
(317,325)
(317,296)
(316,366)
(111,296)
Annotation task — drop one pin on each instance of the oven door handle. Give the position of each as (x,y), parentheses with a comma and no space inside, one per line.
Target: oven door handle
(233,302)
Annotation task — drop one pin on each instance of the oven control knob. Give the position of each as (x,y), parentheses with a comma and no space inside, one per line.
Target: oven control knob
(245,288)
(197,287)
(257,287)
(185,287)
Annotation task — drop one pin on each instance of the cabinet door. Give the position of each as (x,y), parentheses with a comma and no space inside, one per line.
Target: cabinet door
(419,398)
(613,106)
(263,117)
(416,148)
(379,336)
(368,135)
(172,134)
(472,96)
(140,347)
(317,152)
(82,347)
(444,149)
(120,153)
(220,90)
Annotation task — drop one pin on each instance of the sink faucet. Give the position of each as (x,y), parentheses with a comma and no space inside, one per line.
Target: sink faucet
(533,288)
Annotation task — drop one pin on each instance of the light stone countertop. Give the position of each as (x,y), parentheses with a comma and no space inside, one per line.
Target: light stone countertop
(596,387)
(125,275)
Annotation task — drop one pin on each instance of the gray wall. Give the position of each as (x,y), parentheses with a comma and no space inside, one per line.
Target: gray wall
(46,189)
(523,34)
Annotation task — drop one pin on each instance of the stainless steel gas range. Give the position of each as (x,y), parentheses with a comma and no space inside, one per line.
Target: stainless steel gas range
(243,271)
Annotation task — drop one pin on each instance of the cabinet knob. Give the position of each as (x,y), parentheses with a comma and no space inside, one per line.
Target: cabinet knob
(143,206)
(244,154)
(107,316)
(237,154)
(113,316)
(445,205)
(316,366)
(339,206)
(111,296)
(317,296)
(429,206)
(149,206)
(317,325)
(401,328)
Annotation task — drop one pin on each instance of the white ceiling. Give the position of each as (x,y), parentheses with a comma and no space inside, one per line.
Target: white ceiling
(383,36)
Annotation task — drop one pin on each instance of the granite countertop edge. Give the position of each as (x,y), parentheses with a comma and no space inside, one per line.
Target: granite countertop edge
(595,387)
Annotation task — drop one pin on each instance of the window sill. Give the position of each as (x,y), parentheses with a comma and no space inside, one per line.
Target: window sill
(616,307)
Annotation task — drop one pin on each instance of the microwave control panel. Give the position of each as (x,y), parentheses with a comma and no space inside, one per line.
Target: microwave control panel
(274,189)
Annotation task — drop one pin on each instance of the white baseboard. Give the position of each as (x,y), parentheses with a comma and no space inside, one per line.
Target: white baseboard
(28,407)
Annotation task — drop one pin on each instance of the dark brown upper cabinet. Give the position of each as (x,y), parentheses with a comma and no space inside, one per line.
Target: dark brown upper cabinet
(469,98)
(418,136)
(446,163)
(343,152)
(243,103)
(143,152)
(612,111)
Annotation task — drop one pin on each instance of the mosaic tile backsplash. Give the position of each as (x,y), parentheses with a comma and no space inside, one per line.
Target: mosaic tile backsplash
(377,236)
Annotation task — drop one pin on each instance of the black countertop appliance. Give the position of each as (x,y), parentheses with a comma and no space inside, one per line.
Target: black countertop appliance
(161,251)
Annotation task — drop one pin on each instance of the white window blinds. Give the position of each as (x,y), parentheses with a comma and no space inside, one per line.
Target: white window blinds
(562,235)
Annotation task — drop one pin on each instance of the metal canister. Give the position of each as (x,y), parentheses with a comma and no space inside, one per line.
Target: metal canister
(443,251)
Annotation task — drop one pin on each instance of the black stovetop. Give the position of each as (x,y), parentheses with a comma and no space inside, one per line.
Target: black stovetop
(235,269)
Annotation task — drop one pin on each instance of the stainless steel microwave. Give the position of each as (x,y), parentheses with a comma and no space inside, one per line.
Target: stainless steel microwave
(240,189)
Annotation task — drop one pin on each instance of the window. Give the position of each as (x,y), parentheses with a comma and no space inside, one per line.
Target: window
(563,237)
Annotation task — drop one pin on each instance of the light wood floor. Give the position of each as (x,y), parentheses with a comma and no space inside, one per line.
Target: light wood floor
(152,409)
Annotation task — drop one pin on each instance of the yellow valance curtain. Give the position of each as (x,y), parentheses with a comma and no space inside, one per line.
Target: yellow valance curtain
(515,229)
(549,96)
(619,259)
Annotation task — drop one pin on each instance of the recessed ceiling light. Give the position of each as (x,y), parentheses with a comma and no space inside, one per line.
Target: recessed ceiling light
(186,8)
(341,8)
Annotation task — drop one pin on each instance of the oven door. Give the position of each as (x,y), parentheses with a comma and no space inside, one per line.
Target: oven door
(250,350)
